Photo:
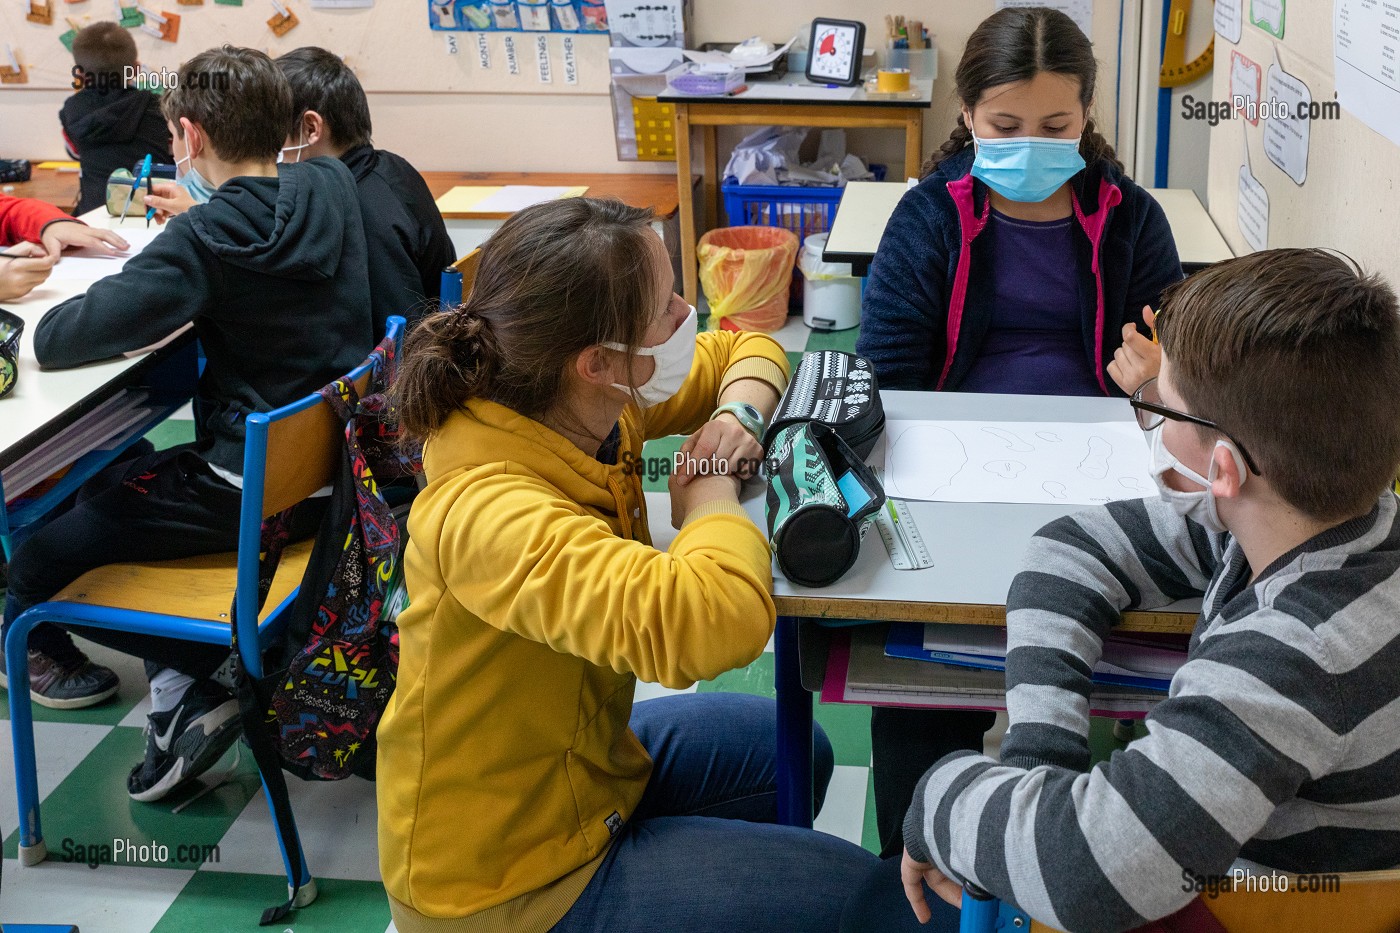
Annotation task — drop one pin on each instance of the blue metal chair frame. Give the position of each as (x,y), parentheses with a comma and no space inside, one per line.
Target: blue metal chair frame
(32,848)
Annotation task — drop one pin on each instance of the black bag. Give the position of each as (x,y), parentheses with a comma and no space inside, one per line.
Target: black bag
(839,390)
(820,498)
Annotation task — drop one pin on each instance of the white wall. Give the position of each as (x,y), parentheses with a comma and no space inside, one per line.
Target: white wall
(494,124)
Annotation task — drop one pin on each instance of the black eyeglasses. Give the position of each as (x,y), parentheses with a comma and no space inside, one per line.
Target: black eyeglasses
(1147,405)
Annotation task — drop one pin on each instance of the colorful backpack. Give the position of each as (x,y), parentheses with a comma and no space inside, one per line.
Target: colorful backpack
(315,710)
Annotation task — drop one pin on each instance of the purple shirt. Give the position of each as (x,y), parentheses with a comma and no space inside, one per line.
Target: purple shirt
(1035,344)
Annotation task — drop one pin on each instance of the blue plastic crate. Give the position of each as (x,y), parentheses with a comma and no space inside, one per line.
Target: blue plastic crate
(800,209)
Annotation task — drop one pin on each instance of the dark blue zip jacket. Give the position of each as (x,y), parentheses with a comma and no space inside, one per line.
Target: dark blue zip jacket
(928,303)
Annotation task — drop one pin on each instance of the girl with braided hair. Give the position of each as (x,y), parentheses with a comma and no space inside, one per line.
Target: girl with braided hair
(1025,261)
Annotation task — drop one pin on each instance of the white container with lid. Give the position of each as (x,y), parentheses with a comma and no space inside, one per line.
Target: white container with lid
(830,293)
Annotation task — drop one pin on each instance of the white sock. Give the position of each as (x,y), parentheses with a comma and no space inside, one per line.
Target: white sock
(168,688)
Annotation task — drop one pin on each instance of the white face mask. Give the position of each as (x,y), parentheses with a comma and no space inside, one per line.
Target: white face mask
(301,144)
(1198,505)
(673,360)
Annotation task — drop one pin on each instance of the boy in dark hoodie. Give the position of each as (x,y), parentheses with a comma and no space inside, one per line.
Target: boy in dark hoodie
(271,272)
(407,239)
(108,125)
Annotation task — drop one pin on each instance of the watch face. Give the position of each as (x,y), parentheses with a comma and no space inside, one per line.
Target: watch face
(834,52)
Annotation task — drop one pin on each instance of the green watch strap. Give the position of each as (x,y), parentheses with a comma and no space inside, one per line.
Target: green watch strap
(747,415)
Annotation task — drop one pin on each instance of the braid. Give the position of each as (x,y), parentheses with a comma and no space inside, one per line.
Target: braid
(958,140)
(1093,146)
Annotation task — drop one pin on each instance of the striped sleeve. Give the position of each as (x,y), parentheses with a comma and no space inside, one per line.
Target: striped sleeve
(1082,572)
(1245,726)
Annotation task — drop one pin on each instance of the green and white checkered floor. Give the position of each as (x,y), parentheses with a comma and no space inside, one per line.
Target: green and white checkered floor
(84,757)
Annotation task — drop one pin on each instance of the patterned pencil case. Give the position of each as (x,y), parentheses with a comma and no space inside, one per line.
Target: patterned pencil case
(839,390)
(821,496)
(11,326)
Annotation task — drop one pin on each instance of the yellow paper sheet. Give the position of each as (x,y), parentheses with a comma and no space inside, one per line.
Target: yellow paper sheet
(67,165)
(497,199)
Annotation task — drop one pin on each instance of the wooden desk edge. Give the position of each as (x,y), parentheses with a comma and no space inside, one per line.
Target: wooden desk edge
(885,610)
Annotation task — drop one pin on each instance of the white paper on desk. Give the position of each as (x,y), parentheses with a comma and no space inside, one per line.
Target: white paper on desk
(513,198)
(798,92)
(94,262)
(1051,463)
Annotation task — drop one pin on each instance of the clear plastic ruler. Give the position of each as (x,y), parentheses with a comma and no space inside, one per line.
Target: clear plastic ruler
(896,526)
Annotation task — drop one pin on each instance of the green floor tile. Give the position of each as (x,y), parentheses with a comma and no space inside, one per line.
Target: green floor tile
(224,901)
(91,807)
(1102,744)
(657,460)
(756,679)
(171,432)
(794,358)
(848,727)
(844,340)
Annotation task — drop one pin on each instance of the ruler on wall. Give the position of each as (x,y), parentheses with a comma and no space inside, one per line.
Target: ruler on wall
(1176,70)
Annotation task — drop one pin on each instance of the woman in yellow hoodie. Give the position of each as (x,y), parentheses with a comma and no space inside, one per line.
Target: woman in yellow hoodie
(518,787)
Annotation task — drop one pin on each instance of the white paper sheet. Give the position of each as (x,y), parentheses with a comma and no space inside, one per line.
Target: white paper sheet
(1229,19)
(752,64)
(1286,137)
(1056,463)
(518,197)
(91,264)
(1252,206)
(1367,49)
(782,91)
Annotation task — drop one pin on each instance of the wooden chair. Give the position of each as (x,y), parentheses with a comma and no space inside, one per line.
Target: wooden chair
(289,454)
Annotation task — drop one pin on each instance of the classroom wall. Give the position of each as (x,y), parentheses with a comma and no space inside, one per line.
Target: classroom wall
(1350,197)
(443,112)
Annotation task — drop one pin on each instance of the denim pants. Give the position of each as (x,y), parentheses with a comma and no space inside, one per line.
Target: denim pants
(702,853)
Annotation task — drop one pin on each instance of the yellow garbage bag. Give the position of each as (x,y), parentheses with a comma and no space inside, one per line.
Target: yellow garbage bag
(746,273)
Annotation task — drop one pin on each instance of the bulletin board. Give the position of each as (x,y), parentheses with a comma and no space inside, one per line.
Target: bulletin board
(390,45)
(1331,181)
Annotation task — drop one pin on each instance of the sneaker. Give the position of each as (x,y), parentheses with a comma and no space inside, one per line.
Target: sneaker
(67,680)
(183,743)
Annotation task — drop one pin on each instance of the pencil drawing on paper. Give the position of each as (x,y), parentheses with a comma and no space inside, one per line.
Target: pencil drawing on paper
(1046,462)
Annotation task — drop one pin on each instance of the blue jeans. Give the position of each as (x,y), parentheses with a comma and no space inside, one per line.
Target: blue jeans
(702,853)
(879,906)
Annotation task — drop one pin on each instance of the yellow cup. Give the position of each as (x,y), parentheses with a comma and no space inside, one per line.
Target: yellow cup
(892,80)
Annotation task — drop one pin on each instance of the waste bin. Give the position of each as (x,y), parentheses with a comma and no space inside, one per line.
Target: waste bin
(746,273)
(830,292)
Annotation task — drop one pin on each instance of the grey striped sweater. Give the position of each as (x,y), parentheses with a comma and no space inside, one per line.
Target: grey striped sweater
(1279,741)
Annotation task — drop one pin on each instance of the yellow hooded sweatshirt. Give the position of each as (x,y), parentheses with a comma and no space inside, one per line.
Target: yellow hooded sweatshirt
(506,764)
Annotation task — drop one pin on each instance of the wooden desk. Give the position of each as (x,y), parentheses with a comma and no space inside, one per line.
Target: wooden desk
(46,184)
(976,548)
(866,208)
(861,111)
(656,192)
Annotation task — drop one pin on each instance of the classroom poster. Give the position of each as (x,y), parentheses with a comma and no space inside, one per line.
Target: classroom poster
(1081,11)
(1268,16)
(1246,77)
(1366,53)
(1252,206)
(1229,19)
(1288,128)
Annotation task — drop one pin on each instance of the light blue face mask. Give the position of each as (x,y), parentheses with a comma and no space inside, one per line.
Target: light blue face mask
(193,182)
(1026,168)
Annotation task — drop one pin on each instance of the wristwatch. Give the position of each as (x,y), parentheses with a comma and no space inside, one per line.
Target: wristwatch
(747,415)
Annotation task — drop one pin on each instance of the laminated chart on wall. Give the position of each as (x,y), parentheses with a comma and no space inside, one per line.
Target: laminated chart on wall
(568,16)
(1053,463)
(1288,128)
(1366,47)
(1252,204)
(1229,19)
(1081,11)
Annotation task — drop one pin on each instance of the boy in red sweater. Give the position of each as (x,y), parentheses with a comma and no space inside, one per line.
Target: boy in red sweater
(32,235)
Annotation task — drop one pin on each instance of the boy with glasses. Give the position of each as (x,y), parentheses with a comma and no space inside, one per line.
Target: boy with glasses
(1275,442)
